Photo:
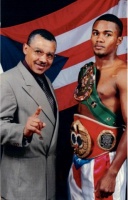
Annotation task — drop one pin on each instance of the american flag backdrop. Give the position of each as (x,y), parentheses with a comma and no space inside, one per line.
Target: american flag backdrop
(71,22)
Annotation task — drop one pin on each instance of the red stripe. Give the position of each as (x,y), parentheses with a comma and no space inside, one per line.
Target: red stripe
(124,21)
(77,176)
(102,163)
(78,54)
(123,57)
(64,96)
(62,20)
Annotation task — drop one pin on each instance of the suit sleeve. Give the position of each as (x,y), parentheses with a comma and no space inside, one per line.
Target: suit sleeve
(11,132)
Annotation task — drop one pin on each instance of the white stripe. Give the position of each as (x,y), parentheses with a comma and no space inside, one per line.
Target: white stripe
(76,192)
(70,74)
(123,47)
(87,180)
(82,33)
(1,70)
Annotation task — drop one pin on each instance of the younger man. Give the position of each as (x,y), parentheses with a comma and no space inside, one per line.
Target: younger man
(98,133)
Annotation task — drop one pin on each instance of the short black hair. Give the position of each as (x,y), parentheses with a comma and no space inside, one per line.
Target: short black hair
(43,33)
(112,18)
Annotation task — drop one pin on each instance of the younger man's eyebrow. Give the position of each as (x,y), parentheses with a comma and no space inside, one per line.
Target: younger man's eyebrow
(103,31)
(108,31)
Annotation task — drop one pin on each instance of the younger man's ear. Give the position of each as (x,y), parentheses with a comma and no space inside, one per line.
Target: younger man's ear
(119,41)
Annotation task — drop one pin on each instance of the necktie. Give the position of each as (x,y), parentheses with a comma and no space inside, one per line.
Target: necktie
(44,85)
(41,80)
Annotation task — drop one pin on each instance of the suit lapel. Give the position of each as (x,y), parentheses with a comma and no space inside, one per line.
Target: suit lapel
(33,89)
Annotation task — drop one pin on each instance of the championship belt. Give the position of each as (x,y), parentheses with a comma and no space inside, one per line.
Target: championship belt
(91,138)
(86,93)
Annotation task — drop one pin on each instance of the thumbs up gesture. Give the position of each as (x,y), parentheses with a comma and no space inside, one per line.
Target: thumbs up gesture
(34,124)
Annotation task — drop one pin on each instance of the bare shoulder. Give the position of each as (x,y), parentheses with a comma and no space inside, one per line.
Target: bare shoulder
(121,73)
(121,65)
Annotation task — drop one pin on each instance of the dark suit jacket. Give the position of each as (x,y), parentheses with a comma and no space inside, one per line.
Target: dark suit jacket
(27,171)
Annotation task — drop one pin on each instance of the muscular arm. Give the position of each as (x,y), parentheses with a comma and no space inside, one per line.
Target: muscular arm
(106,186)
(121,153)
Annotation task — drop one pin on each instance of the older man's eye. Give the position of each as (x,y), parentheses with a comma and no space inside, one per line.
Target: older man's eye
(38,52)
(50,56)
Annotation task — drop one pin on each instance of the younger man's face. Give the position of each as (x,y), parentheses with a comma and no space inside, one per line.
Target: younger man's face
(104,37)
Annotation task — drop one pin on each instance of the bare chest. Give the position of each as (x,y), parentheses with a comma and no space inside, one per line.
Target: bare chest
(107,90)
(106,86)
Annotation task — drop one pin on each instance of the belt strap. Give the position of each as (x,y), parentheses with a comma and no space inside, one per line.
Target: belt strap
(100,112)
